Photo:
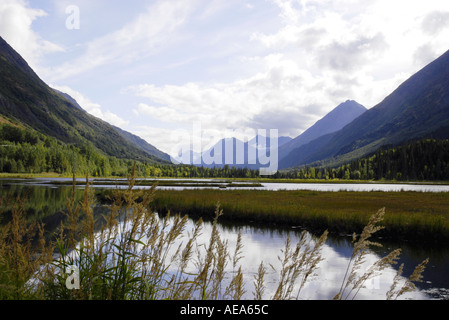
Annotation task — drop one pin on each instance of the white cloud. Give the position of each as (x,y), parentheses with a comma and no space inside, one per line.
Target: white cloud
(435,22)
(92,108)
(324,53)
(114,119)
(230,64)
(282,89)
(16,19)
(146,35)
(162,138)
(346,57)
(361,40)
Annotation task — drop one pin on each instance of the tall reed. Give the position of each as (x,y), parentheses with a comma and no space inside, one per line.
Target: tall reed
(19,260)
(133,253)
(354,280)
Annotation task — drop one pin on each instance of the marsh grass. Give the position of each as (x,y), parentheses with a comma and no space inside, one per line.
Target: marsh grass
(132,253)
(353,280)
(297,265)
(19,260)
(415,216)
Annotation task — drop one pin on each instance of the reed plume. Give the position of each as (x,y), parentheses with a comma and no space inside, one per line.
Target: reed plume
(408,284)
(299,263)
(354,280)
(132,253)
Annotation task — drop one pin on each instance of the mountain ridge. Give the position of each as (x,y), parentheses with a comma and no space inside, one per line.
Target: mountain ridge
(253,146)
(418,108)
(30,101)
(333,121)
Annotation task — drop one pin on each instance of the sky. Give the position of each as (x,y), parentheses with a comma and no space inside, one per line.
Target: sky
(159,69)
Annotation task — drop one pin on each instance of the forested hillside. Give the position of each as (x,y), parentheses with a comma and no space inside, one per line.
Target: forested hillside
(417,109)
(422,160)
(27,151)
(30,102)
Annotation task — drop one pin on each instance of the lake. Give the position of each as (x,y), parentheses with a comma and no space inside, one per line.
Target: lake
(179,184)
(265,244)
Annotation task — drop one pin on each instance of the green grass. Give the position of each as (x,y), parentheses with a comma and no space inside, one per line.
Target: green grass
(409,215)
(164,182)
(250,181)
(5,175)
(128,255)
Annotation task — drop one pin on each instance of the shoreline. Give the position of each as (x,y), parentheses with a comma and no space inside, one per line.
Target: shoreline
(410,216)
(50,175)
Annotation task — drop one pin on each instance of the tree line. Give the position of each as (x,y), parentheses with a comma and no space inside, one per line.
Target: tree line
(24,150)
(422,160)
(27,151)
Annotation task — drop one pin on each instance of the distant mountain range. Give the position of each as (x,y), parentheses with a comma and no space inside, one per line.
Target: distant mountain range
(26,99)
(335,120)
(234,153)
(419,108)
(332,122)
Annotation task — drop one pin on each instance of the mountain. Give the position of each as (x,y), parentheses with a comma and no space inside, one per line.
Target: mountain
(141,144)
(71,100)
(283,140)
(335,120)
(235,153)
(418,108)
(26,99)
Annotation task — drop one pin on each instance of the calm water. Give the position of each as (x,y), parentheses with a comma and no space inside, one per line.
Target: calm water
(363,187)
(272,186)
(46,201)
(266,245)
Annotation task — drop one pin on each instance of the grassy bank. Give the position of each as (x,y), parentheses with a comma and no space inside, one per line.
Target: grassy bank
(164,182)
(130,254)
(415,216)
(258,180)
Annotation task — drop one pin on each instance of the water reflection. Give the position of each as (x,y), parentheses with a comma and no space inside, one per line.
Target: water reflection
(41,202)
(46,203)
(271,186)
(266,245)
(361,187)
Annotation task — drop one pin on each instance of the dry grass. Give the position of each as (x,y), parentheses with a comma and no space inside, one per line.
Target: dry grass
(297,265)
(420,216)
(353,280)
(132,253)
(19,260)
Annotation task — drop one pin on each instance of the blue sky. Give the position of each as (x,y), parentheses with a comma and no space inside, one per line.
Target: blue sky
(152,67)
